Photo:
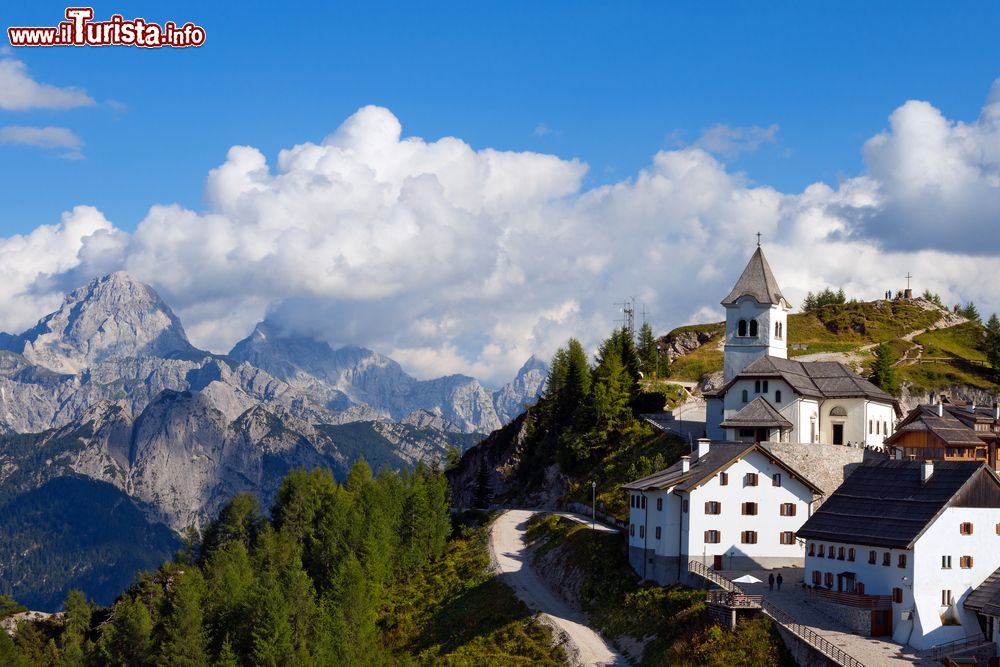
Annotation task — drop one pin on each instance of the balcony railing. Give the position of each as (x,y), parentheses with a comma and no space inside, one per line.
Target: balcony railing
(852,599)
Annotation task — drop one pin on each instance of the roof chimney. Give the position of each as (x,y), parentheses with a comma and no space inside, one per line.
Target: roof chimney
(996,411)
(685,463)
(703,445)
(926,470)
(972,407)
(940,407)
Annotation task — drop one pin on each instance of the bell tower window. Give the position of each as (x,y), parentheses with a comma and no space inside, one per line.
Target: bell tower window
(753,328)
(741,329)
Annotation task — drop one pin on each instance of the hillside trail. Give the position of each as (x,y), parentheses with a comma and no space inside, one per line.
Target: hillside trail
(856,357)
(511,560)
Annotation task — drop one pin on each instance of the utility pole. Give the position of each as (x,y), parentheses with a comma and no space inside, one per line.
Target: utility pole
(593,510)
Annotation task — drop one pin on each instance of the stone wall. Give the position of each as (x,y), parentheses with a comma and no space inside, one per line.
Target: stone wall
(826,466)
(805,655)
(859,620)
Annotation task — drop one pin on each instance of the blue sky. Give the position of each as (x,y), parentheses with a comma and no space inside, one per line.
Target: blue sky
(612,82)
(572,154)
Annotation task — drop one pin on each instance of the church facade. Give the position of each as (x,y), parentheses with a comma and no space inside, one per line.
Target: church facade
(766,397)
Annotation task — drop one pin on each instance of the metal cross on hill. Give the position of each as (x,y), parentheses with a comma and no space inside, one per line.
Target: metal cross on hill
(908,276)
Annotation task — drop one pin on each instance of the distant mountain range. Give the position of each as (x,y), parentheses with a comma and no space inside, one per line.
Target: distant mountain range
(109,390)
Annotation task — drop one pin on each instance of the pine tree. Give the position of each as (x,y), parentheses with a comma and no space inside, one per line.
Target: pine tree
(74,637)
(126,640)
(883,373)
(646,350)
(484,491)
(991,344)
(970,312)
(185,642)
(9,654)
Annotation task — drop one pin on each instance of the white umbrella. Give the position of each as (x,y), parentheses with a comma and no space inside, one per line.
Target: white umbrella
(747,579)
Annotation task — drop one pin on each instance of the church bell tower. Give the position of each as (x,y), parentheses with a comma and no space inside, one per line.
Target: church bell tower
(756,317)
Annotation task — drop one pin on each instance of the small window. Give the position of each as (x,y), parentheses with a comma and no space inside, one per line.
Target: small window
(787,537)
(753,328)
(812,549)
(872,557)
(631,529)
(998,529)
(643,502)
(945,562)
(746,396)
(748,537)
(713,507)
(741,328)
(946,597)
(965,562)
(877,424)
(897,595)
(632,501)
(659,504)
(684,506)
(787,509)
(831,552)
(724,480)
(817,577)
(657,532)
(965,528)
(750,479)
(840,553)
(777,396)
(822,550)
(765,386)
(642,532)
(885,428)
(828,579)
(886,559)
(850,554)
(750,509)
(871,426)
(902,560)
(777,329)
(859,588)
(756,386)
(776,479)
(712,537)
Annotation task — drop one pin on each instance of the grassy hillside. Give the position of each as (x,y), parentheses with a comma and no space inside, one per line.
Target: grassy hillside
(673,622)
(946,356)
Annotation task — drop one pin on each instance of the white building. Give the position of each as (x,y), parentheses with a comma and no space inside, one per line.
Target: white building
(767,397)
(734,506)
(898,548)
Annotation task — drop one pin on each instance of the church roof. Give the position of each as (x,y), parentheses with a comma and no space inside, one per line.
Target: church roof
(758,282)
(945,427)
(886,504)
(758,413)
(813,379)
(719,457)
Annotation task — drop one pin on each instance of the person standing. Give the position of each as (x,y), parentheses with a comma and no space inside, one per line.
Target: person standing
(779,580)
(770,581)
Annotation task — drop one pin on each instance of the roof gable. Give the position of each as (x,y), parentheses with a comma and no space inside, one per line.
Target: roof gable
(758,413)
(945,427)
(719,457)
(886,503)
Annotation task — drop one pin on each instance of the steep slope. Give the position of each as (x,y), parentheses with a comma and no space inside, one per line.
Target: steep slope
(112,317)
(512,399)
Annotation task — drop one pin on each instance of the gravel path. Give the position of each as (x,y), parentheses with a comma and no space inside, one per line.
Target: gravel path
(510,559)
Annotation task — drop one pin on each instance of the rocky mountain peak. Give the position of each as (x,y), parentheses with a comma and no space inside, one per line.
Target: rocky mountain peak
(115,316)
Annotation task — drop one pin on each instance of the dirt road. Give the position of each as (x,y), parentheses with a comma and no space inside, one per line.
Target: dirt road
(510,559)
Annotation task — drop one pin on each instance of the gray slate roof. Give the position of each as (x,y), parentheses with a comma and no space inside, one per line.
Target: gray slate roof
(757,281)
(924,418)
(758,413)
(718,458)
(985,598)
(814,379)
(885,504)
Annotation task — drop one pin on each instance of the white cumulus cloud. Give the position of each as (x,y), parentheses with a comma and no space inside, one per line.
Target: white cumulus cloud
(452,259)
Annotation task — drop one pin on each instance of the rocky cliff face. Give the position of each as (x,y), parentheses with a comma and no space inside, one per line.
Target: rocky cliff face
(354,377)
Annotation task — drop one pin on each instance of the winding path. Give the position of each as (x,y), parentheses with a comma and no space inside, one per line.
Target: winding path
(511,561)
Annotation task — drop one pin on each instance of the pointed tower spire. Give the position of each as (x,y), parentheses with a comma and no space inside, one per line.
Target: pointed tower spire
(757,281)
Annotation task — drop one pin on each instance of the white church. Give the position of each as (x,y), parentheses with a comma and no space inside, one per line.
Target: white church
(766,397)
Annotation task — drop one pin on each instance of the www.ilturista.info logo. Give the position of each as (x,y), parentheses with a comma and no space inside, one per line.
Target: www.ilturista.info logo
(81,30)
